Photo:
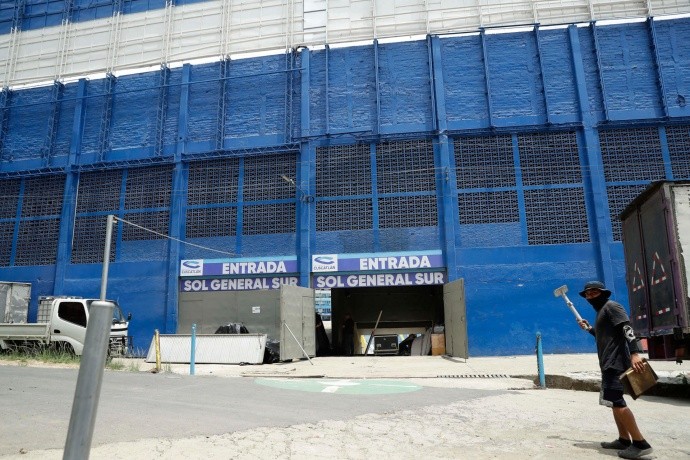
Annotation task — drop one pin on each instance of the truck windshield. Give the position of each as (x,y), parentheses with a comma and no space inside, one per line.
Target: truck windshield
(118,317)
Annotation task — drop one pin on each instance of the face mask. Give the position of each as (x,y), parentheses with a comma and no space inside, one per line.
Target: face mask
(598,302)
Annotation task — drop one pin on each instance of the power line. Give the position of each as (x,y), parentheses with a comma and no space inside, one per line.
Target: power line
(174,239)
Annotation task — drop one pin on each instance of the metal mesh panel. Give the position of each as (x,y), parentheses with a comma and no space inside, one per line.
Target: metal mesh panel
(549,158)
(408,211)
(99,191)
(343,170)
(148,188)
(268,219)
(631,154)
(484,162)
(6,235)
(488,207)
(37,242)
(43,196)
(9,198)
(678,138)
(89,239)
(619,197)
(213,181)
(405,166)
(556,216)
(211,222)
(344,215)
(156,221)
(262,179)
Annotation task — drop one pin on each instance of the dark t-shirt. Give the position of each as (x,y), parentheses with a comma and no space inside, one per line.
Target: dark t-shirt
(612,346)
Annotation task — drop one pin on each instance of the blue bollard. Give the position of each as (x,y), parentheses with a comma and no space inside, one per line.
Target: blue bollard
(540,362)
(191,355)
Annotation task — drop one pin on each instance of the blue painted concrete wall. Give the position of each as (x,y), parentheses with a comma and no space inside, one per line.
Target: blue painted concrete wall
(575,79)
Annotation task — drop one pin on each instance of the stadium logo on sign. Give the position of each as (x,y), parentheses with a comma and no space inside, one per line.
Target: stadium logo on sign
(324,263)
(192,268)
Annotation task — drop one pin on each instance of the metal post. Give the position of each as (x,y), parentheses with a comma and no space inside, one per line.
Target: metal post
(158,350)
(540,362)
(90,378)
(85,404)
(192,353)
(106,255)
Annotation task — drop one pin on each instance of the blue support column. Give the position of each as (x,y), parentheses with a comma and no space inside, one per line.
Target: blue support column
(665,153)
(162,109)
(223,70)
(377,127)
(520,191)
(306,209)
(327,122)
(446,182)
(290,68)
(240,207)
(69,197)
(600,69)
(107,117)
(53,120)
(657,66)
(541,69)
(593,173)
(5,97)
(374,198)
(487,76)
(305,116)
(17,220)
(178,203)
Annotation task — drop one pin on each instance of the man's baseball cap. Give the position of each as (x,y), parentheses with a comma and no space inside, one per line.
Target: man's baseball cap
(595,285)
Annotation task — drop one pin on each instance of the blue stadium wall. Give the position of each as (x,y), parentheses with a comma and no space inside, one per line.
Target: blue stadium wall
(511,153)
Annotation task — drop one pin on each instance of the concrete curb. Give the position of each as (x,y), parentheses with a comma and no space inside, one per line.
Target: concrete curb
(666,387)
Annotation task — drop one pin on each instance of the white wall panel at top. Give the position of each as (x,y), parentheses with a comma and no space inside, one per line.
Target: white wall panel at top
(347,21)
(196,32)
(37,55)
(211,28)
(141,39)
(89,47)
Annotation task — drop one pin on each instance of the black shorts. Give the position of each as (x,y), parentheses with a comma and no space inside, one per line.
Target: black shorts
(612,389)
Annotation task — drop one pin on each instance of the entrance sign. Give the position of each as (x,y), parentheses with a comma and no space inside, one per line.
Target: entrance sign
(230,267)
(237,284)
(378,280)
(376,262)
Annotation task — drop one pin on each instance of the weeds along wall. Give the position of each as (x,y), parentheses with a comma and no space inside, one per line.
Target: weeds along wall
(512,153)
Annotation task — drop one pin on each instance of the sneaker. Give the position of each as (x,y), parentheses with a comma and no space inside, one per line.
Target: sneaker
(617,444)
(634,452)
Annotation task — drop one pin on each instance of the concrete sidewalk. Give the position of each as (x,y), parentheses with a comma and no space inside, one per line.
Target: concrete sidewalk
(567,371)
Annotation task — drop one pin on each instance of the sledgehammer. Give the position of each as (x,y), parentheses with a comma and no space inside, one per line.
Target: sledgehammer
(560,292)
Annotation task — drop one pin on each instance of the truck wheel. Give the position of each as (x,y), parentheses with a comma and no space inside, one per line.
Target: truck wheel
(64,347)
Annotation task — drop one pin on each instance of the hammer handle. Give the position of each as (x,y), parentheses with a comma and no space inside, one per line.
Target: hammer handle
(572,307)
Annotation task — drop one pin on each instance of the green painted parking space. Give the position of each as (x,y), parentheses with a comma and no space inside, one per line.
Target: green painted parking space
(341,386)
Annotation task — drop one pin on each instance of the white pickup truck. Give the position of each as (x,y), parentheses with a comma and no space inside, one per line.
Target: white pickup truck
(61,323)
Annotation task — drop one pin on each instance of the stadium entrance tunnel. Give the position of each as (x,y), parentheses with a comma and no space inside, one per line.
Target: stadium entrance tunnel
(434,314)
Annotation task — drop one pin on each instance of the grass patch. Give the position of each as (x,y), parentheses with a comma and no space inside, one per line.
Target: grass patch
(123,364)
(44,355)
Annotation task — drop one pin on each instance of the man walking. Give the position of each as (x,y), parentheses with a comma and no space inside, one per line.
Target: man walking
(618,350)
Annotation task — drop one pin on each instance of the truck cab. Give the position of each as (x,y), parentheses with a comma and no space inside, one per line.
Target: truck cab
(68,317)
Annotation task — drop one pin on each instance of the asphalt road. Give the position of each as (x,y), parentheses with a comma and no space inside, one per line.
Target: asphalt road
(36,405)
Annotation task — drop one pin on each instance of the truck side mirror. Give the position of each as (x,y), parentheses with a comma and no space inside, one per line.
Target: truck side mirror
(129,316)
